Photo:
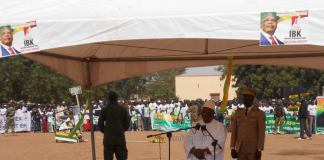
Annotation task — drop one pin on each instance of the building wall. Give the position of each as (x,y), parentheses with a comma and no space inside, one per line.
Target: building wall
(200,86)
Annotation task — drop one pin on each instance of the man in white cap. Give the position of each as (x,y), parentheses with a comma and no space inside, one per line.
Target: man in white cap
(197,144)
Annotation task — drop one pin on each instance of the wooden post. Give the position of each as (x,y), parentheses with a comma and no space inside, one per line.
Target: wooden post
(77,98)
(91,114)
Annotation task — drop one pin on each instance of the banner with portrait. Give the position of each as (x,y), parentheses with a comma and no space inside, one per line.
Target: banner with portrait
(320,116)
(166,122)
(284,28)
(22,122)
(19,38)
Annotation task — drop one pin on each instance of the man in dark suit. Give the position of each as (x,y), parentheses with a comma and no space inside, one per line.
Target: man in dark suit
(117,122)
(302,115)
(128,111)
(6,40)
(269,26)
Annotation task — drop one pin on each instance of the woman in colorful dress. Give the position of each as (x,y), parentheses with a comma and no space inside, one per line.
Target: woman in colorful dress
(44,123)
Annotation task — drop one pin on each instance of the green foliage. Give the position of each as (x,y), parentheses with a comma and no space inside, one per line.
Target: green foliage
(267,80)
(162,84)
(24,79)
(127,87)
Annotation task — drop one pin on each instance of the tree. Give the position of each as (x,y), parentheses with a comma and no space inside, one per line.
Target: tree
(267,80)
(162,84)
(13,73)
(127,87)
(24,79)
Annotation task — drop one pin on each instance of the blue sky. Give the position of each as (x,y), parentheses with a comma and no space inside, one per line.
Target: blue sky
(209,70)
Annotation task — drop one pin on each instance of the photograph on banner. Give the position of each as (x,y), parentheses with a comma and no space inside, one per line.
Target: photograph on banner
(19,38)
(284,28)
(320,116)
(166,122)
(22,122)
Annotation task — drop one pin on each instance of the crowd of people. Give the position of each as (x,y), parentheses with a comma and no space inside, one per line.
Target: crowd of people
(42,115)
(141,113)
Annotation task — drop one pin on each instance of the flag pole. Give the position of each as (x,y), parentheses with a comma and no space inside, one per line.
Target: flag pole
(91,113)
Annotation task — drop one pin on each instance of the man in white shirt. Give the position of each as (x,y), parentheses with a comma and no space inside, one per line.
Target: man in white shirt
(172,105)
(197,144)
(49,120)
(234,106)
(153,111)
(270,108)
(241,105)
(312,108)
(169,109)
(140,125)
(183,111)
(146,117)
(263,108)
(161,108)
(3,110)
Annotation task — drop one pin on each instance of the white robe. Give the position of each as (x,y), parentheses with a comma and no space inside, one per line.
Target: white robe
(199,141)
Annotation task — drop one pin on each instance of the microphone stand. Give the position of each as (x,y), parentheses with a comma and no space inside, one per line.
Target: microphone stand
(169,135)
(214,143)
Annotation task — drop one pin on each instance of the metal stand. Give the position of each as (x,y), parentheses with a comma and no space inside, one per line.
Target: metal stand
(214,143)
(169,135)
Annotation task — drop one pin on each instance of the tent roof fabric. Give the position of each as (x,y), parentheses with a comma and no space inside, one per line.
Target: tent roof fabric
(125,38)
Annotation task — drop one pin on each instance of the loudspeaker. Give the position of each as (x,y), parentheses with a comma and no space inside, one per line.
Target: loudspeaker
(298,90)
(285,92)
(75,109)
(97,112)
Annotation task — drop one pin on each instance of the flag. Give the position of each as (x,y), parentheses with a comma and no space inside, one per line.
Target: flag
(226,86)
(81,120)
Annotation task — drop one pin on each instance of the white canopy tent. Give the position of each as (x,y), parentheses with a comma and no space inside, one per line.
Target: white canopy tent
(126,38)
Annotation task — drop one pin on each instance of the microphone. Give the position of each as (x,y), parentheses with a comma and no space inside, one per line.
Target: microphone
(203,128)
(197,127)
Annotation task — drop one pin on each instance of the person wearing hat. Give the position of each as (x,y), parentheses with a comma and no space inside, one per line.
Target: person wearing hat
(193,110)
(117,122)
(248,131)
(279,113)
(197,144)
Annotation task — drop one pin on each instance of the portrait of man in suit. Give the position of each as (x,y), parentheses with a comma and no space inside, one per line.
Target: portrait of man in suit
(269,26)
(6,39)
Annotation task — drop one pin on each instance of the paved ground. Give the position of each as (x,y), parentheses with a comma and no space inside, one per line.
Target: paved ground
(42,146)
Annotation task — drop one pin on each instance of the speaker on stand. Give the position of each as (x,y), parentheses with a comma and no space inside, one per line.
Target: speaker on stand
(285,92)
(298,90)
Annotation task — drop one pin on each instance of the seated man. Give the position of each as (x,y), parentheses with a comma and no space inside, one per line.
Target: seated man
(66,126)
(198,143)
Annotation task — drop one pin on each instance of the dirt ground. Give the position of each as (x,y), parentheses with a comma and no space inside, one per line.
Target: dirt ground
(42,146)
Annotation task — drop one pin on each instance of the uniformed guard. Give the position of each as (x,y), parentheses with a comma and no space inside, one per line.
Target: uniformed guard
(248,132)
(10,120)
(279,113)
(193,109)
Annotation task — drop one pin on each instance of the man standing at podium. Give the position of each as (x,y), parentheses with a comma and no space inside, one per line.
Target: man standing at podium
(198,143)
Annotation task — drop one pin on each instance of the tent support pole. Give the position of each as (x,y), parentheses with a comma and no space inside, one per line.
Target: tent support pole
(91,112)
